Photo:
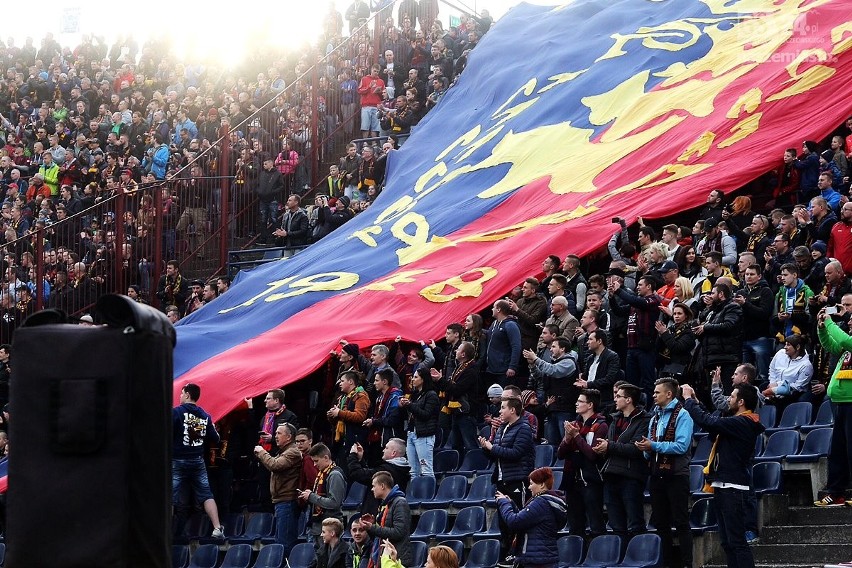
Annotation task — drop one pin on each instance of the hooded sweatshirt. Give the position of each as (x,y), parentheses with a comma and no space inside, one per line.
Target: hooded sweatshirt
(836,341)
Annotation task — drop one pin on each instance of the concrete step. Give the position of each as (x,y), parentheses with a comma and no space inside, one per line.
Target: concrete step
(802,553)
(811,534)
(819,516)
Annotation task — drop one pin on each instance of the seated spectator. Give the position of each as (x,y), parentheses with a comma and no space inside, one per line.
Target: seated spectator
(332,550)
(790,371)
(393,461)
(358,552)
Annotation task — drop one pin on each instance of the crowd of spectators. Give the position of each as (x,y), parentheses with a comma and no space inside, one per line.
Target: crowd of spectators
(87,127)
(588,363)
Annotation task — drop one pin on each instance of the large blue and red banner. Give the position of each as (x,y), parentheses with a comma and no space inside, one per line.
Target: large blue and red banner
(565,117)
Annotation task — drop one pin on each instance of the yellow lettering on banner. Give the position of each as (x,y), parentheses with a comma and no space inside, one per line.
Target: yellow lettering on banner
(389,284)
(323,282)
(671,36)
(272,287)
(748,103)
(699,147)
(527,89)
(742,130)
(518,228)
(841,37)
(463,140)
(395,209)
(366,235)
(808,79)
(458,286)
(419,244)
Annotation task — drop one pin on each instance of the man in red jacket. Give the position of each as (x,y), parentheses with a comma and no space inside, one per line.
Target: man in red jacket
(370,89)
(840,241)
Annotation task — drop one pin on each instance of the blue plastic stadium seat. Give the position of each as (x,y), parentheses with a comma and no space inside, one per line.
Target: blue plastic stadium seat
(768,415)
(420,489)
(702,517)
(475,461)
(180,555)
(302,555)
(445,461)
(238,556)
(492,532)
(824,418)
(430,524)
(543,455)
(816,445)
(469,521)
(457,546)
(206,556)
(419,550)
(483,554)
(557,478)
(270,556)
(604,550)
(481,490)
(452,488)
(259,526)
(702,451)
(781,444)
(796,415)
(197,527)
(570,550)
(643,551)
(355,497)
(766,477)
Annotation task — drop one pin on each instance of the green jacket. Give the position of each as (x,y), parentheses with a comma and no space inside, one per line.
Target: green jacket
(835,340)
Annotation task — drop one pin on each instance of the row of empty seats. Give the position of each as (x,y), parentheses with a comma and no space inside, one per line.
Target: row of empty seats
(781,445)
(237,556)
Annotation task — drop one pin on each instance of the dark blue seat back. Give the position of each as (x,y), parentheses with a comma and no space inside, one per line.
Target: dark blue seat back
(817,442)
(781,444)
(768,415)
(483,554)
(825,414)
(702,514)
(796,415)
(421,488)
(696,478)
(446,461)
(302,555)
(259,525)
(355,496)
(470,520)
(604,550)
(702,450)
(432,522)
(474,460)
(457,546)
(570,550)
(643,550)
(180,555)
(238,556)
(766,477)
(482,488)
(452,487)
(206,556)
(543,455)
(418,553)
(270,556)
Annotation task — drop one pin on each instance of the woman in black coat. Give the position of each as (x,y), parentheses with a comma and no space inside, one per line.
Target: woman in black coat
(423,408)
(676,342)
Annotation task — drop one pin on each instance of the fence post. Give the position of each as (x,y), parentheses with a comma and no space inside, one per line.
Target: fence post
(225,199)
(39,270)
(120,240)
(158,241)
(315,141)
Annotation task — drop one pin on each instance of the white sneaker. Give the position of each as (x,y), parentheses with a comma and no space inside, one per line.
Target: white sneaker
(219,533)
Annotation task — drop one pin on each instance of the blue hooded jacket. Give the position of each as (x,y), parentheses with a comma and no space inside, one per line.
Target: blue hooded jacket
(537,525)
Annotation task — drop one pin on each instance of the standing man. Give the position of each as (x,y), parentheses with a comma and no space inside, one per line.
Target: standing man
(625,470)
(192,426)
(286,468)
(348,414)
(755,300)
(668,448)
(642,310)
(270,186)
(836,341)
(329,490)
(600,368)
(504,345)
(392,523)
(730,465)
(304,441)
(387,419)
(840,241)
(294,230)
(276,415)
(530,311)
(460,390)
(721,332)
(557,376)
(393,461)
(513,453)
(370,89)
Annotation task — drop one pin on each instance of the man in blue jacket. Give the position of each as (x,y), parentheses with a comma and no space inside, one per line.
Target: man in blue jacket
(511,451)
(504,345)
(668,449)
(729,468)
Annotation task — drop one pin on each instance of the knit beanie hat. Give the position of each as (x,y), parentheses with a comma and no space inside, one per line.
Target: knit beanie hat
(495,391)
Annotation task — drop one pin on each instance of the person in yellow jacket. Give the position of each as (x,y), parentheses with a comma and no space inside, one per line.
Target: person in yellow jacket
(50,172)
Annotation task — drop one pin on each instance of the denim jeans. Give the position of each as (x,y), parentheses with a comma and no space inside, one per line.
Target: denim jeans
(268,214)
(420,455)
(759,353)
(286,524)
(463,433)
(194,472)
(624,498)
(730,505)
(554,426)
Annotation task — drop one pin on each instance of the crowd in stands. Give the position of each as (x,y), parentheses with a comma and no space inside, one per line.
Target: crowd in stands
(83,128)
(607,368)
